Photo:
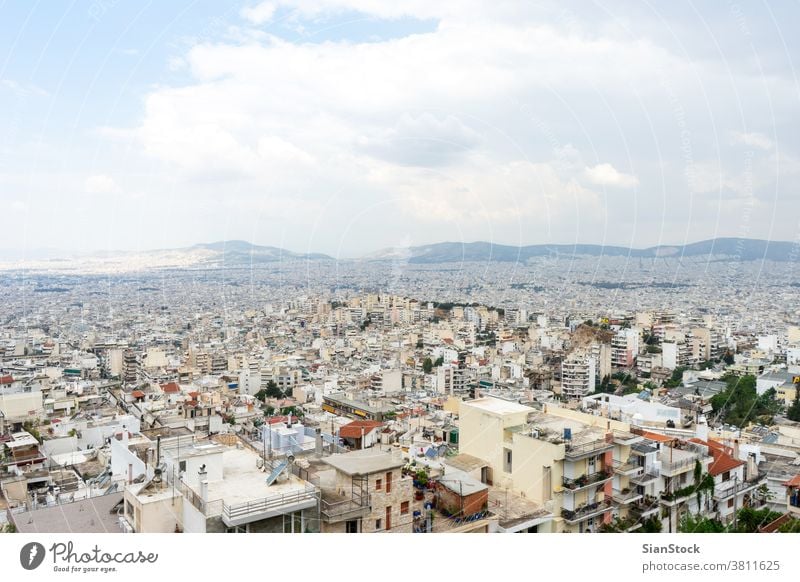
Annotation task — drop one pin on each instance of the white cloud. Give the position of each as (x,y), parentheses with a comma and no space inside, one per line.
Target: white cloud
(260,13)
(22,89)
(483,118)
(608,175)
(101,184)
(753,139)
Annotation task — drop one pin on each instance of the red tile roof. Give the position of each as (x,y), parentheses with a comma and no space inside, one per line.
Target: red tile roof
(277,419)
(353,429)
(171,388)
(793,482)
(722,460)
(6,379)
(137,394)
(654,436)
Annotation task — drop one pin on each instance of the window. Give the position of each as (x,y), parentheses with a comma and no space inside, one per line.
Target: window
(507,460)
(378,484)
(182,466)
(351,526)
(388,482)
(377,524)
(388,517)
(726,476)
(592,468)
(730,502)
(404,508)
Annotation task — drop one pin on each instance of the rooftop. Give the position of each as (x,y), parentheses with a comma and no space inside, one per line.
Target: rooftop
(498,406)
(242,482)
(465,462)
(364,462)
(94,515)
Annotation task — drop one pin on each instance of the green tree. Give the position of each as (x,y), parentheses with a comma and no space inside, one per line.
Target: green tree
(427,365)
(740,404)
(749,519)
(650,525)
(699,524)
(677,377)
(273,391)
(728,358)
(439,361)
(793,413)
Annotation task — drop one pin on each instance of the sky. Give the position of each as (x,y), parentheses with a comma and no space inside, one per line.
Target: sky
(348,126)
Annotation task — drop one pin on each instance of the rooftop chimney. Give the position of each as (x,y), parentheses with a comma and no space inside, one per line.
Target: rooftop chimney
(752,467)
(202,478)
(318,441)
(702,428)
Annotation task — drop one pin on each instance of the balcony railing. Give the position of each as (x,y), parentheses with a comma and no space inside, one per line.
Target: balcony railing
(670,468)
(644,478)
(586,480)
(627,468)
(627,497)
(269,506)
(731,488)
(578,451)
(643,508)
(343,510)
(586,511)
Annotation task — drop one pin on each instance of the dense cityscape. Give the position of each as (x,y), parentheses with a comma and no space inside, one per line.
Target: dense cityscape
(555,394)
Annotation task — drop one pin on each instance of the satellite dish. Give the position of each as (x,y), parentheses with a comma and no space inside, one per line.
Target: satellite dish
(259,463)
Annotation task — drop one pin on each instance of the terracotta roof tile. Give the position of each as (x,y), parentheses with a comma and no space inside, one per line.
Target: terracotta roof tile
(171,388)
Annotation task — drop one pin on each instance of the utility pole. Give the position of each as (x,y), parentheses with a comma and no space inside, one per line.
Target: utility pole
(735,509)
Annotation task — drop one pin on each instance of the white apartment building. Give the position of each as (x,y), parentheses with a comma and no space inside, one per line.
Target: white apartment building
(578,376)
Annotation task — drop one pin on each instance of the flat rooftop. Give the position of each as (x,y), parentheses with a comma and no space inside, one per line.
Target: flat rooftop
(92,515)
(242,481)
(465,462)
(364,462)
(498,406)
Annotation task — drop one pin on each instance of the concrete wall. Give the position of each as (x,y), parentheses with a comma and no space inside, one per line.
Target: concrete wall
(193,520)
(17,406)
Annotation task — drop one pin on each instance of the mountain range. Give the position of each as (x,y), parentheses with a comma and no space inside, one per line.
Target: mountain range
(720,248)
(237,253)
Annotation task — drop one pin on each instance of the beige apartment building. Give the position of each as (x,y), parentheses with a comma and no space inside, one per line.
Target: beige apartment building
(578,466)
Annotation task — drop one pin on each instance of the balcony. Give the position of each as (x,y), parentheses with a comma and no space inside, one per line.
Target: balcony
(625,497)
(628,468)
(670,469)
(335,511)
(586,511)
(679,496)
(585,481)
(575,452)
(626,438)
(645,478)
(248,512)
(644,508)
(731,488)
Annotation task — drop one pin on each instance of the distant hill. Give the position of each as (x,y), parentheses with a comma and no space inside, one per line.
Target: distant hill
(234,252)
(730,249)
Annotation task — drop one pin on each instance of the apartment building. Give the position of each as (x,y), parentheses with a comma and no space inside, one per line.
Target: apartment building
(578,376)
(205,486)
(370,494)
(625,348)
(575,464)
